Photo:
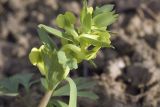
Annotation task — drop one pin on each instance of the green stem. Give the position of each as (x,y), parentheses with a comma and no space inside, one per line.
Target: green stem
(45,99)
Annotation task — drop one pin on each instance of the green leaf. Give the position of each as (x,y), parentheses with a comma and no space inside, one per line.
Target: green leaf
(60,21)
(105,38)
(84,11)
(91,54)
(57,103)
(73,93)
(72,63)
(9,86)
(95,40)
(54,32)
(34,82)
(51,64)
(87,22)
(62,57)
(44,83)
(62,91)
(105,8)
(83,84)
(90,39)
(60,104)
(73,51)
(67,61)
(98,39)
(70,17)
(46,40)
(65,21)
(71,47)
(104,19)
(88,94)
(55,71)
(86,17)
(72,33)
(34,56)
(36,59)
(24,79)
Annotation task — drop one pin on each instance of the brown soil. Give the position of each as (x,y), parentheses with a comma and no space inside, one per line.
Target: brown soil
(128,76)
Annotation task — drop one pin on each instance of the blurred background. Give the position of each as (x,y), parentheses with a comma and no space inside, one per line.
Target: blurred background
(127,76)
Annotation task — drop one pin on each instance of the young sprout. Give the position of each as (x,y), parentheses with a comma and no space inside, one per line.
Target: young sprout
(54,62)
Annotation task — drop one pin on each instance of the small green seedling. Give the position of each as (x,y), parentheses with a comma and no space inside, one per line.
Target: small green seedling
(9,86)
(55,62)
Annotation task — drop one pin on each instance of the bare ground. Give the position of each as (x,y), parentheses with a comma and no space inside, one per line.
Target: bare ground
(128,76)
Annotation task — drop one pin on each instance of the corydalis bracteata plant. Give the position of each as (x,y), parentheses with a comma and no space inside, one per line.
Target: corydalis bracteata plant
(55,62)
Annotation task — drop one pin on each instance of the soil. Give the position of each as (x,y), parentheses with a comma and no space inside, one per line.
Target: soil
(127,76)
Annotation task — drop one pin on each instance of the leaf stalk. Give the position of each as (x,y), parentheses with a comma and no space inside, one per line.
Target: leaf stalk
(44,101)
